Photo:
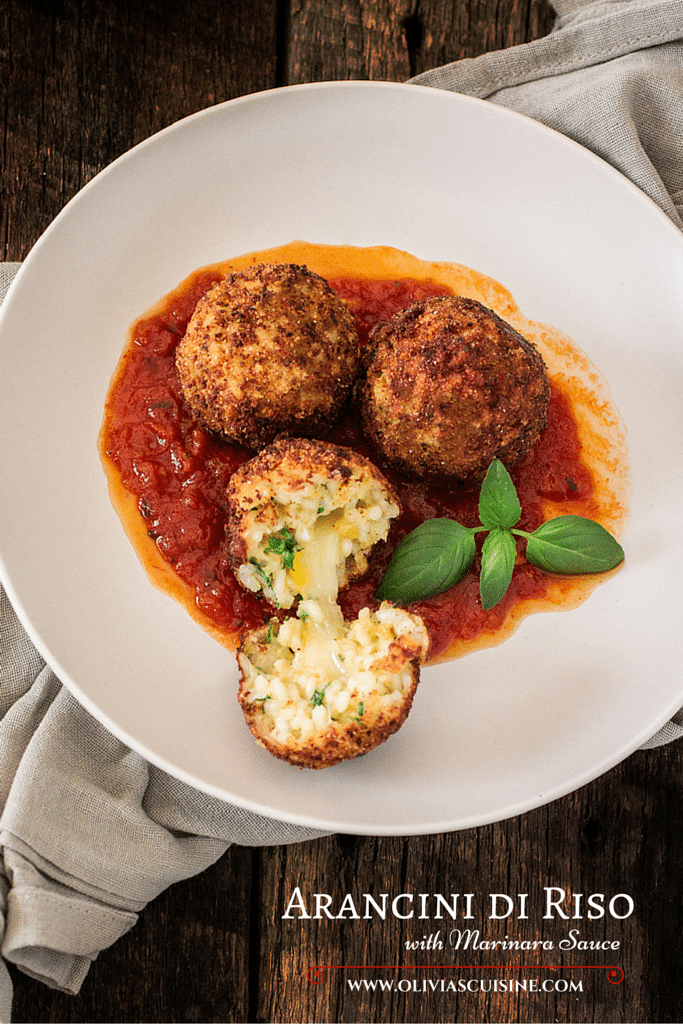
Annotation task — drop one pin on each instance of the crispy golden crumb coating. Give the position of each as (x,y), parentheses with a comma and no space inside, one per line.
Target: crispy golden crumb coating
(447,387)
(268,350)
(304,514)
(315,694)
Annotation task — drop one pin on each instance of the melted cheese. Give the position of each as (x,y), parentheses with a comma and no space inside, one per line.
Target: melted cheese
(315,574)
(314,569)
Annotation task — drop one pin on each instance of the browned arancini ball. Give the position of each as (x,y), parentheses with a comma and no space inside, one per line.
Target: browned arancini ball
(271,349)
(447,387)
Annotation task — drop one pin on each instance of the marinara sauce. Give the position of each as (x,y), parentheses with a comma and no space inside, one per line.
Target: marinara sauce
(177,473)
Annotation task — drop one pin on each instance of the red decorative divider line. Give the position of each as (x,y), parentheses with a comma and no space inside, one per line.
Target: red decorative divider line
(615,974)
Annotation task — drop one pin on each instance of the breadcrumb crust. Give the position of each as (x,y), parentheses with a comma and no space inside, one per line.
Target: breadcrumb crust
(447,387)
(268,349)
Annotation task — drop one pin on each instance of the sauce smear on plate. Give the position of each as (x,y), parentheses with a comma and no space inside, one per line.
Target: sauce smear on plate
(168,475)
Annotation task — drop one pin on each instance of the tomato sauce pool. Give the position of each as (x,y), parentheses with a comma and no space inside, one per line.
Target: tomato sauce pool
(177,472)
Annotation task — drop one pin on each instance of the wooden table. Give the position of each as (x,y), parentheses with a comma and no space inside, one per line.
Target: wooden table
(84,80)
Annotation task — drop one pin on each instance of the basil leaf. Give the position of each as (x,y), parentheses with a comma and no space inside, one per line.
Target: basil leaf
(499,507)
(497,562)
(430,560)
(572,544)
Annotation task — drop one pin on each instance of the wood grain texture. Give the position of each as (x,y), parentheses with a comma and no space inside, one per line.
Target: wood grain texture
(394,39)
(83,82)
(593,841)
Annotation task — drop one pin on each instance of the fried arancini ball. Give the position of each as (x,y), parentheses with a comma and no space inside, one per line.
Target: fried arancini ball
(268,350)
(314,694)
(302,516)
(447,387)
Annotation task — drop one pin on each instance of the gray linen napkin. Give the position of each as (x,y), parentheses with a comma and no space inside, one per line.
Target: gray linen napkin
(89,831)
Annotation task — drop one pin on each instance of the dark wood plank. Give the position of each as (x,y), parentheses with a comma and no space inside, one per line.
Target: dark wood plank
(394,39)
(438,32)
(85,81)
(595,841)
(347,40)
(187,958)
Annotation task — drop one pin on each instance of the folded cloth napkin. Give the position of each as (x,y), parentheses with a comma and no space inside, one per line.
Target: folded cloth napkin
(89,831)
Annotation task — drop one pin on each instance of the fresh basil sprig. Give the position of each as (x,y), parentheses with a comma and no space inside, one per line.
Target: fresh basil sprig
(499,506)
(439,552)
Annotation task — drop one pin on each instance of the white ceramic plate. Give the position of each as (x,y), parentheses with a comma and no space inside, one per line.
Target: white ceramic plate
(444,177)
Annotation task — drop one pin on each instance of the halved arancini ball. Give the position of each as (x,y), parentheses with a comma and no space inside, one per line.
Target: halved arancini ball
(315,696)
(302,517)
